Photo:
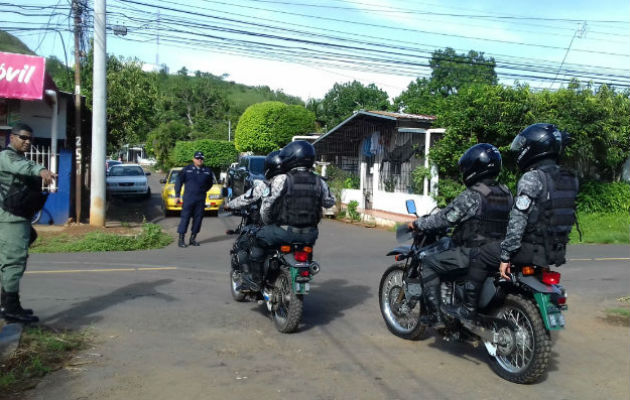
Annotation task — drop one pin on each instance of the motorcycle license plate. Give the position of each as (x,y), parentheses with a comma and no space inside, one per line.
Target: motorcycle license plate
(551,314)
(301,283)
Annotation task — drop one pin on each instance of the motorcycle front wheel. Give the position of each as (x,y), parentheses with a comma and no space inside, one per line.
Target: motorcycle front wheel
(401,316)
(234,284)
(286,310)
(521,356)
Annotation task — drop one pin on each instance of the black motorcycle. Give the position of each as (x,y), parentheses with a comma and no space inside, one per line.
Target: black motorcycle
(286,274)
(514,320)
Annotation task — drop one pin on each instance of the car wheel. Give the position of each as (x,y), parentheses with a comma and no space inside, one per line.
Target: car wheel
(147,195)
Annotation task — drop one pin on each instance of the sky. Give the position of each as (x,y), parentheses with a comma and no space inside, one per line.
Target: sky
(304,47)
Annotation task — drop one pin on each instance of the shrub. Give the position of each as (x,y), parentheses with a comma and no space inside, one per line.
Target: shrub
(267,126)
(598,197)
(352,210)
(417,178)
(448,189)
(218,153)
(352,182)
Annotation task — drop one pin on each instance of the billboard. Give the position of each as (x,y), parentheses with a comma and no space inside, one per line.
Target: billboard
(21,76)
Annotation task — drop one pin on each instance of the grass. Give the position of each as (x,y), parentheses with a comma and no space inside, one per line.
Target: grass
(602,228)
(620,315)
(41,351)
(151,237)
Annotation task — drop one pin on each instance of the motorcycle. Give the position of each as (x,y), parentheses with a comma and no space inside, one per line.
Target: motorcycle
(286,275)
(514,321)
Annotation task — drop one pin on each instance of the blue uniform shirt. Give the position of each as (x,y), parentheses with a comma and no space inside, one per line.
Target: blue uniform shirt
(198,181)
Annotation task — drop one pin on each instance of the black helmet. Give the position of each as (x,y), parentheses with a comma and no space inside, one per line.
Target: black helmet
(482,160)
(297,154)
(538,142)
(273,164)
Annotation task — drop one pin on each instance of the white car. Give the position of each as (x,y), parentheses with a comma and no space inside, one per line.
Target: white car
(128,180)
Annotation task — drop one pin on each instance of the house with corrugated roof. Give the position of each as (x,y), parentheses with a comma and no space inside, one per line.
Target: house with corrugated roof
(383,149)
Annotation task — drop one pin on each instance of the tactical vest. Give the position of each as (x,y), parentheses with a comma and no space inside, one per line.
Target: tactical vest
(24,196)
(491,219)
(301,204)
(553,214)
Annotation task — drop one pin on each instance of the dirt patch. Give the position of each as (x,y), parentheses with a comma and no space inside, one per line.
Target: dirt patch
(78,230)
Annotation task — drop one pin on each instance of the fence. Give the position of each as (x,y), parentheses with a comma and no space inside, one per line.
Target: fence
(42,156)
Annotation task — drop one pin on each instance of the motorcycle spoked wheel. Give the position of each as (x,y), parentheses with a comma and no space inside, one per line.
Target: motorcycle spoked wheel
(286,309)
(401,320)
(528,349)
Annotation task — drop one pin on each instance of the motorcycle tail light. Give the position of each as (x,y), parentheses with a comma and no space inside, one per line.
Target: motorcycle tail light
(305,273)
(300,256)
(285,249)
(551,278)
(528,270)
(308,249)
(562,301)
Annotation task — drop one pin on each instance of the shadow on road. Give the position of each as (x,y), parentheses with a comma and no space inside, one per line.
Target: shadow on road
(83,313)
(329,299)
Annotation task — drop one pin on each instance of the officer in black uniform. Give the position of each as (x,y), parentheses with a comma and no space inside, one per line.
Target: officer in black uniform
(543,213)
(198,180)
(292,206)
(479,215)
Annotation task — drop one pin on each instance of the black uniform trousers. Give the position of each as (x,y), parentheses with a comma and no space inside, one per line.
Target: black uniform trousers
(191,208)
(446,265)
(486,259)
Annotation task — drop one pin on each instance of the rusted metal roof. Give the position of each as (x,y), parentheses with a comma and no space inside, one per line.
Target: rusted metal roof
(420,117)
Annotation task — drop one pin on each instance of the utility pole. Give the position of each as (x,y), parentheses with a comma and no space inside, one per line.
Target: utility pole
(99,118)
(579,32)
(229,130)
(78,187)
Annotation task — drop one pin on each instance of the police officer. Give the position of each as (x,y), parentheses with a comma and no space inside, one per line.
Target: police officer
(292,207)
(273,166)
(479,215)
(198,180)
(543,213)
(20,198)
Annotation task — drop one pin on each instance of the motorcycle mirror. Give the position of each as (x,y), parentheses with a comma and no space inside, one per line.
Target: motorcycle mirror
(411,207)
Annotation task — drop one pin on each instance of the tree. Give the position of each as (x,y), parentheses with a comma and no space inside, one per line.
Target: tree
(343,99)
(162,139)
(61,75)
(218,153)
(267,126)
(132,99)
(450,72)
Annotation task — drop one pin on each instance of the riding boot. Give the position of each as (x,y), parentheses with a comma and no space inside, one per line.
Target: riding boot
(433,302)
(253,278)
(193,242)
(467,311)
(3,302)
(13,311)
(182,240)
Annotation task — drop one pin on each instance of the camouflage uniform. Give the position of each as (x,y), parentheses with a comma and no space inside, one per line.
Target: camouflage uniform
(454,261)
(251,196)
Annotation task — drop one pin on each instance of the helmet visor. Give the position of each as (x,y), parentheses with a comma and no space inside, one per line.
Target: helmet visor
(518,144)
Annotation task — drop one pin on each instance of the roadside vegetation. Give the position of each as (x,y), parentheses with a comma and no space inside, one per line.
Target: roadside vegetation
(41,351)
(620,315)
(149,237)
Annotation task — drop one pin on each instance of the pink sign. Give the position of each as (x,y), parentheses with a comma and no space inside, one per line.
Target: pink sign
(21,76)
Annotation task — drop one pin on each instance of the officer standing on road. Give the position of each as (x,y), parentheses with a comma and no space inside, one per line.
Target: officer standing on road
(198,180)
(543,213)
(292,207)
(273,165)
(20,198)
(479,215)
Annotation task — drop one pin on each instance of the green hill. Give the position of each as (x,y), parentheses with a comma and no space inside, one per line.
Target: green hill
(11,44)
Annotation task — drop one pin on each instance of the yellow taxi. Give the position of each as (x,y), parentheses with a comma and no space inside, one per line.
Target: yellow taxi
(213,197)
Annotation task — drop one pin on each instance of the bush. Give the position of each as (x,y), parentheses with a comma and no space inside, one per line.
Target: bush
(448,189)
(352,182)
(352,210)
(218,153)
(268,126)
(598,197)
(417,178)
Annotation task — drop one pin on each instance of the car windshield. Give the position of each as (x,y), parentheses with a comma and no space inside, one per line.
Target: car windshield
(111,163)
(125,171)
(173,177)
(257,165)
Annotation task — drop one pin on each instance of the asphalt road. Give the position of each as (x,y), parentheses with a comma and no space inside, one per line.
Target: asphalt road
(165,327)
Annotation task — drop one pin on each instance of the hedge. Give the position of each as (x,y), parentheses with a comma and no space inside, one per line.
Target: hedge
(598,197)
(218,153)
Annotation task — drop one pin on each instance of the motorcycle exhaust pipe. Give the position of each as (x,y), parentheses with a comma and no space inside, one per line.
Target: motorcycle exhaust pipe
(314,268)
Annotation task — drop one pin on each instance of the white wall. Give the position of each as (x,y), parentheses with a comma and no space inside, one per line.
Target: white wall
(395,202)
(347,195)
(38,115)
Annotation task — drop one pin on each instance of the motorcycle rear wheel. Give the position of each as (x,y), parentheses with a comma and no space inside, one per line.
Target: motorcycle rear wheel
(530,356)
(287,306)
(400,320)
